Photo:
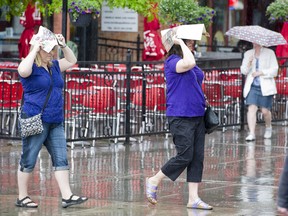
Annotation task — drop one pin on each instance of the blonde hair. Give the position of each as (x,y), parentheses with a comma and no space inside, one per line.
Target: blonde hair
(38,60)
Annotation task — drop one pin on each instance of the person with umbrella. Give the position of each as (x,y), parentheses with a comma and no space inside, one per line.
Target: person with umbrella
(260,67)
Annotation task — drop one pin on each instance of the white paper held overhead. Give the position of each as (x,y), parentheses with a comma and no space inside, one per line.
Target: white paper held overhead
(190,32)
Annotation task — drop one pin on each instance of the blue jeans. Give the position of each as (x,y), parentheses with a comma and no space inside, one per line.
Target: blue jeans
(189,139)
(53,138)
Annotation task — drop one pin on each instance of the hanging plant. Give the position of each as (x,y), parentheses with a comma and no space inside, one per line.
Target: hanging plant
(278,11)
(173,12)
(80,7)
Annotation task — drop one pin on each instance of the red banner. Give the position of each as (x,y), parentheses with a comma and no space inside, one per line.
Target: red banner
(232,4)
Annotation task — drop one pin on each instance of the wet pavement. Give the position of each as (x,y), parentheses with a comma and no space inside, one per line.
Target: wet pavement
(239,178)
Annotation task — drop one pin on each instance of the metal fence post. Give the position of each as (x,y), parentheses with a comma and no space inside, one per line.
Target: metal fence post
(138,47)
(128,101)
(64,18)
(143,114)
(97,39)
(242,109)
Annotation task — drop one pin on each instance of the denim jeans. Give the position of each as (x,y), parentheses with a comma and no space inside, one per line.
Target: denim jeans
(53,138)
(189,139)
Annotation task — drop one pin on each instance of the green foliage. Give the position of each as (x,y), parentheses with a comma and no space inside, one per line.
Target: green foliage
(144,7)
(13,7)
(16,7)
(49,9)
(184,12)
(278,11)
(77,7)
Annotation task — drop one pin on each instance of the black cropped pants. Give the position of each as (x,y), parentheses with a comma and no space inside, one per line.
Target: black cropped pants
(189,139)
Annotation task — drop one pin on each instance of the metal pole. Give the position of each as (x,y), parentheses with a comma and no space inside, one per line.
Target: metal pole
(97,40)
(128,101)
(242,109)
(143,116)
(143,96)
(64,18)
(138,48)
(84,43)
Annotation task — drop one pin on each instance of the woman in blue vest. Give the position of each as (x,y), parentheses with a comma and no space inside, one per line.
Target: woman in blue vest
(185,111)
(38,72)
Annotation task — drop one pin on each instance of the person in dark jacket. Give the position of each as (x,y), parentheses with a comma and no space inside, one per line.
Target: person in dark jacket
(282,201)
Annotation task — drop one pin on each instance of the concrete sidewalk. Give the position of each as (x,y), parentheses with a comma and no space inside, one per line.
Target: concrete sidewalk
(239,178)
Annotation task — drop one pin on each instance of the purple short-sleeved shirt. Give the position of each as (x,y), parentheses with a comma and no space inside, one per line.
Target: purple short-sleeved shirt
(36,88)
(185,97)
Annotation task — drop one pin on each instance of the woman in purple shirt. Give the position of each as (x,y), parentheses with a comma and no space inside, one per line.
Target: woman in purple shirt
(185,111)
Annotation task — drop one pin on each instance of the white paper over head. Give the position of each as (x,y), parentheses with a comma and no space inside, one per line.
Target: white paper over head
(190,32)
(46,38)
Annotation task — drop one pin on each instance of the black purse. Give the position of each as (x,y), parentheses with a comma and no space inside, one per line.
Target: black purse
(211,119)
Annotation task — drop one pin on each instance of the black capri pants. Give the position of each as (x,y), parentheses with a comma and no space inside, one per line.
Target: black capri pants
(189,139)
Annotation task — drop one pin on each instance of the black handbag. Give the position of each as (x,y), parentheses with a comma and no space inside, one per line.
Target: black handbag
(211,120)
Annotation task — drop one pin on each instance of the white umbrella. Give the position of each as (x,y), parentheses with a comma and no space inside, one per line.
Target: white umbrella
(257,34)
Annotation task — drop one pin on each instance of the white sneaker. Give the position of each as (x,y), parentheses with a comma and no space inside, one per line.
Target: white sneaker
(250,137)
(268,133)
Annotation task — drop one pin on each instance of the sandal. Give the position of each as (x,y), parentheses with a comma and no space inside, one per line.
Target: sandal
(20,203)
(69,202)
(151,192)
(199,204)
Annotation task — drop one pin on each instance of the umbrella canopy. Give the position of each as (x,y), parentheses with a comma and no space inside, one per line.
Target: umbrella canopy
(257,34)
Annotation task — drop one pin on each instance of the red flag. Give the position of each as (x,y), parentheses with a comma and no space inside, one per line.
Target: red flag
(282,50)
(30,19)
(153,47)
